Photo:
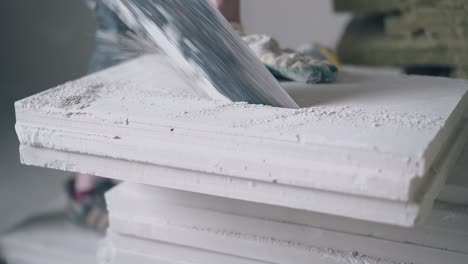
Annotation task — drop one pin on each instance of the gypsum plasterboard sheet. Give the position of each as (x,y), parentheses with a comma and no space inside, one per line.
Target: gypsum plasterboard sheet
(398,213)
(374,135)
(118,249)
(452,200)
(251,230)
(446,227)
(124,249)
(376,210)
(414,120)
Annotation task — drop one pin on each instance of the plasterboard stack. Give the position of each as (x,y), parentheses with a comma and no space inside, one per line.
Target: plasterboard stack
(159,225)
(424,36)
(238,183)
(151,224)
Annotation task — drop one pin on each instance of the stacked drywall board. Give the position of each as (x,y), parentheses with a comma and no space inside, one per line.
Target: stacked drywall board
(257,184)
(425,36)
(154,224)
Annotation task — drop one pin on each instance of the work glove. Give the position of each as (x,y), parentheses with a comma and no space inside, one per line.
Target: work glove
(313,64)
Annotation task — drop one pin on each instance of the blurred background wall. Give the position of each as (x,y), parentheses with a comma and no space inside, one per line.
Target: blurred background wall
(294,22)
(46,42)
(42,43)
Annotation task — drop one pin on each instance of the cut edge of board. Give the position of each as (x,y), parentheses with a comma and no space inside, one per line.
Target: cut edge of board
(62,134)
(351,206)
(358,207)
(49,136)
(122,249)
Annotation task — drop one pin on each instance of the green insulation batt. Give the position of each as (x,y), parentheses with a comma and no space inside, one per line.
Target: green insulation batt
(365,42)
(431,22)
(461,72)
(366,6)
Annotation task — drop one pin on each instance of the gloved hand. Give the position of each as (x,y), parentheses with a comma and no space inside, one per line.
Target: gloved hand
(312,65)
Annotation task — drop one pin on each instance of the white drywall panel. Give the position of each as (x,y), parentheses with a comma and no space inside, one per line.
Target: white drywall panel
(378,137)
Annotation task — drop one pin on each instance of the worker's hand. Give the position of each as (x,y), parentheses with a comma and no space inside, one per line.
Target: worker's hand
(312,65)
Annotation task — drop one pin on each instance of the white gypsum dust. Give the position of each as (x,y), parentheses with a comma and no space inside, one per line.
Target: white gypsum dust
(227,66)
(191,70)
(124,45)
